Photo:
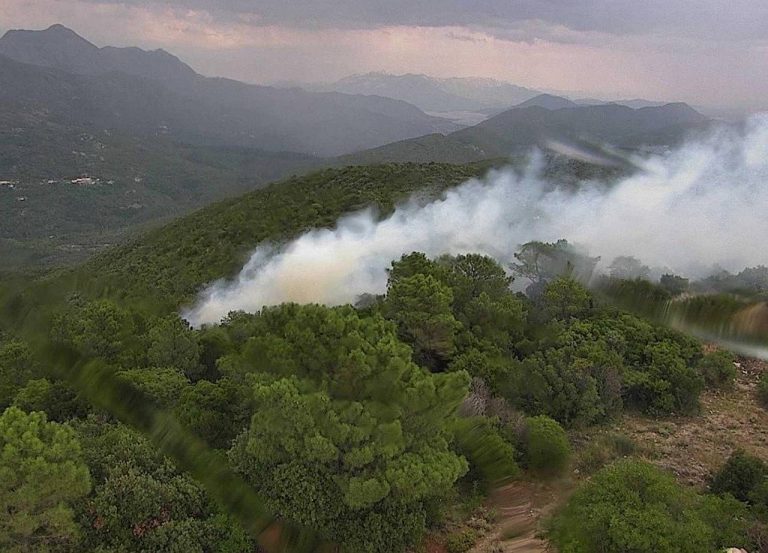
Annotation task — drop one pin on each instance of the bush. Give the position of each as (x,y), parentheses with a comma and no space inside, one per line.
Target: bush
(623,445)
(491,457)
(604,450)
(551,383)
(546,445)
(718,369)
(762,389)
(633,506)
(740,476)
(461,542)
(665,383)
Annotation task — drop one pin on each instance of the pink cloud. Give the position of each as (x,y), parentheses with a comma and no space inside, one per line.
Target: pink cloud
(533,54)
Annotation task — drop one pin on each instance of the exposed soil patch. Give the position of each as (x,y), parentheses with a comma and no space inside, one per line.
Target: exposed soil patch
(695,447)
(521,507)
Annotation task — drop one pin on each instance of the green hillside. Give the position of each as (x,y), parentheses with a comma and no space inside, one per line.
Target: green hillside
(516,131)
(173,262)
(424,149)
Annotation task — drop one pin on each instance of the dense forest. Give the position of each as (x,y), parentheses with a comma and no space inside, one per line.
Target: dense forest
(360,427)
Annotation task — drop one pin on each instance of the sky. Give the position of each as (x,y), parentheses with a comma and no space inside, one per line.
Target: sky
(706,52)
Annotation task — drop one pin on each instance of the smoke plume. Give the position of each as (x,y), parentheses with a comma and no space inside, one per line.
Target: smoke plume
(701,205)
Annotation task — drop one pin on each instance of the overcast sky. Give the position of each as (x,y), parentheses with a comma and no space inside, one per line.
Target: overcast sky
(712,52)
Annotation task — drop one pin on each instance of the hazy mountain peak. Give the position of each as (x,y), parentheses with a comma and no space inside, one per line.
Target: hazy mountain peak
(56,33)
(59,28)
(62,48)
(548,101)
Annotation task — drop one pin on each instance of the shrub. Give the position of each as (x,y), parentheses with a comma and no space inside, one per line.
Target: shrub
(461,542)
(550,383)
(491,457)
(546,445)
(740,476)
(718,369)
(603,450)
(762,389)
(633,506)
(623,445)
(665,383)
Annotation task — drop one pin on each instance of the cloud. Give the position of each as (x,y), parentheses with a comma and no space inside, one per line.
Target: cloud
(710,19)
(703,51)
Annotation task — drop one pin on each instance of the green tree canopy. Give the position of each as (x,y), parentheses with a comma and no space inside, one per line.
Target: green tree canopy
(16,367)
(421,307)
(41,474)
(141,502)
(172,343)
(546,447)
(348,435)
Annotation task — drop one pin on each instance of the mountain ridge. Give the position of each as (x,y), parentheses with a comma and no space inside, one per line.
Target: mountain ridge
(432,94)
(547,101)
(171,95)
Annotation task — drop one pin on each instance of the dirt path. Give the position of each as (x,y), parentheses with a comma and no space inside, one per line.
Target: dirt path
(521,507)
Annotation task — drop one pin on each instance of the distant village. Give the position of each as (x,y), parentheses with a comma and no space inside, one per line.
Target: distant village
(77,181)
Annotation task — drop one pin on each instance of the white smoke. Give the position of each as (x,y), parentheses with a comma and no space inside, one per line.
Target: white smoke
(703,204)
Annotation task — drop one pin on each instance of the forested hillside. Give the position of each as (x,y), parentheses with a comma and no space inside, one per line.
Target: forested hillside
(369,427)
(98,143)
(542,122)
(173,262)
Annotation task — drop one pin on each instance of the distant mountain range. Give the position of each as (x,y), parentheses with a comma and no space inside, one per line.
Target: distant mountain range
(635,103)
(61,74)
(465,100)
(431,94)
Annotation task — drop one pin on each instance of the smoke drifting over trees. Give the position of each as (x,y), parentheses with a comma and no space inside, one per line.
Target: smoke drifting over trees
(699,206)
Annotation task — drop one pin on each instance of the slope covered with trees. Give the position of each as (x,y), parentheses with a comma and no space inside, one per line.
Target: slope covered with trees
(173,262)
(365,426)
(72,191)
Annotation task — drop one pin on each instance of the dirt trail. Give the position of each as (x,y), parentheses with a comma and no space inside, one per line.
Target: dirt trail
(521,508)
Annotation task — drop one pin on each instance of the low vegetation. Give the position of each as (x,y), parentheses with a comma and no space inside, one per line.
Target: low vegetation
(633,506)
